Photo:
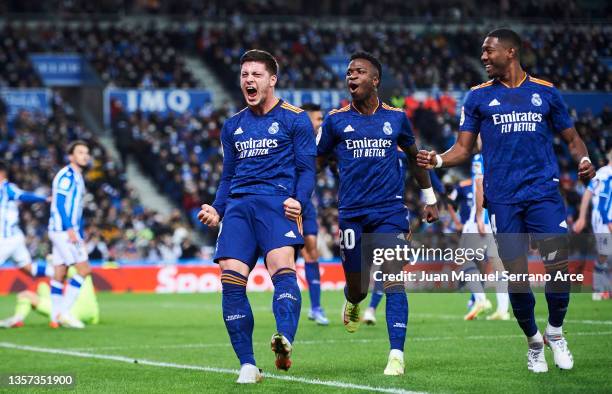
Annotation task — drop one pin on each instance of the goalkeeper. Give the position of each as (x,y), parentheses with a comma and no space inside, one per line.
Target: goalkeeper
(85,308)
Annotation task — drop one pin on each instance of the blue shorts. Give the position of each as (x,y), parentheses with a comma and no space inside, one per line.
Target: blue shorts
(394,221)
(544,216)
(309,215)
(254,225)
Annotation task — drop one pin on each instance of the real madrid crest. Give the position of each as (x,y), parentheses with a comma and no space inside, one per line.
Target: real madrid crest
(273,129)
(536,100)
(387,128)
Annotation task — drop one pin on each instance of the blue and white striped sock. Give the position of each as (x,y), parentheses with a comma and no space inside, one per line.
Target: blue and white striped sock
(72,292)
(57,298)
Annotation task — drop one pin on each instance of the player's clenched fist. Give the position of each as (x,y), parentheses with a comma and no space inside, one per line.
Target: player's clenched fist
(209,216)
(426,159)
(586,170)
(430,213)
(293,208)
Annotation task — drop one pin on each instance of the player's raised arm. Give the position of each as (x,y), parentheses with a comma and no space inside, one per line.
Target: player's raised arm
(459,153)
(16,193)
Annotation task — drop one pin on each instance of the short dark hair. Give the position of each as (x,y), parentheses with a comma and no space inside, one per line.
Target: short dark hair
(311,107)
(3,166)
(369,57)
(74,144)
(258,55)
(508,37)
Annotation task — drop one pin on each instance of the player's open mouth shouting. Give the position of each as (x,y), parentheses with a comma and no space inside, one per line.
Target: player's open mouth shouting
(251,93)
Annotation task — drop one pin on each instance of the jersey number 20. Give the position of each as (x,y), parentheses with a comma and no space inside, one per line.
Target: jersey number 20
(347,239)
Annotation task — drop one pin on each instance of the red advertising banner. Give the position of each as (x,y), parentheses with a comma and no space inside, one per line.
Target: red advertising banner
(202,278)
(171,279)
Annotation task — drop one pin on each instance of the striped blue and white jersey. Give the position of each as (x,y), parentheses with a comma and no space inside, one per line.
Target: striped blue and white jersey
(9,210)
(67,194)
(601,187)
(477,172)
(10,196)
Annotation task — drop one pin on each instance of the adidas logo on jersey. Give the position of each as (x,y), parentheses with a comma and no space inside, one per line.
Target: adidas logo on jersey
(290,234)
(494,103)
(238,131)
(348,129)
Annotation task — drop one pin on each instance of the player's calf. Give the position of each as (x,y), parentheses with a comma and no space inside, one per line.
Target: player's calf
(287,302)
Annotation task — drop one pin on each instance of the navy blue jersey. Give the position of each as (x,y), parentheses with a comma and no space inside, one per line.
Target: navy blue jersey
(517,126)
(368,162)
(271,154)
(462,197)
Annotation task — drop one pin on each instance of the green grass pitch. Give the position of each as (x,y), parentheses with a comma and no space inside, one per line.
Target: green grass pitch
(185,337)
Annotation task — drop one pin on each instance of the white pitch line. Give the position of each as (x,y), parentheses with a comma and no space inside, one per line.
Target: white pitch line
(131,360)
(327,341)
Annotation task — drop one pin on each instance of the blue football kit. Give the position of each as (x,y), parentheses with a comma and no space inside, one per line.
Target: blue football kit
(371,191)
(371,195)
(266,159)
(517,127)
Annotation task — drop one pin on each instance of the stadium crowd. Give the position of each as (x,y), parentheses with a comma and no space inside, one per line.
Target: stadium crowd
(117,226)
(415,61)
(146,56)
(454,10)
(141,56)
(443,59)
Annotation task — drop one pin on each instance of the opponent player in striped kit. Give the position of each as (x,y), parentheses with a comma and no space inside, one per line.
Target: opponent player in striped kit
(12,240)
(599,193)
(477,232)
(66,235)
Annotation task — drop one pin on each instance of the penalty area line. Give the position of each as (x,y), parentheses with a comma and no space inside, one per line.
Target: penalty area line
(161,364)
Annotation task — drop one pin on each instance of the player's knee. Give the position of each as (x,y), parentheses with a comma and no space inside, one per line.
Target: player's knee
(555,253)
(84,271)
